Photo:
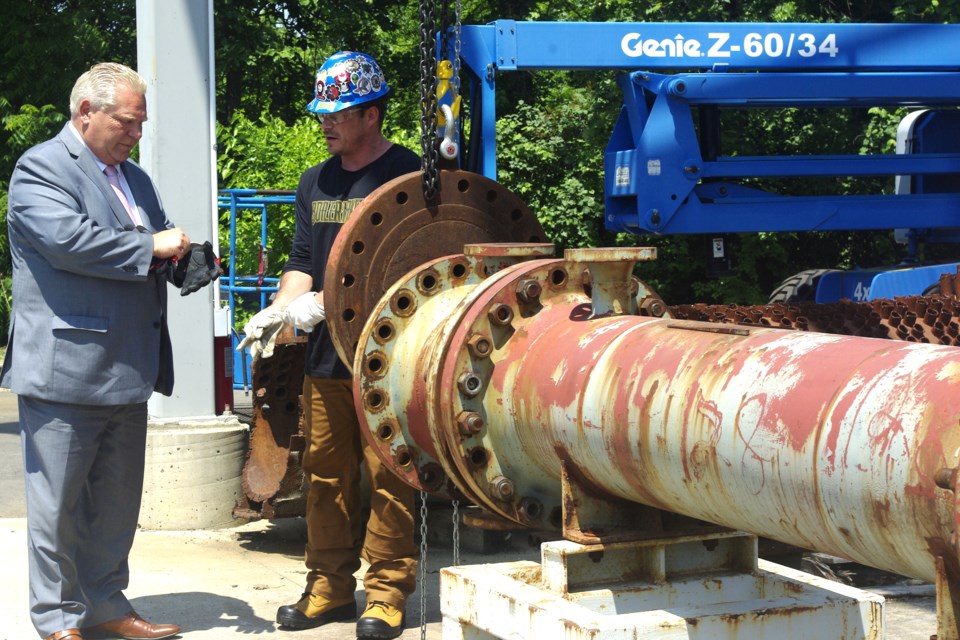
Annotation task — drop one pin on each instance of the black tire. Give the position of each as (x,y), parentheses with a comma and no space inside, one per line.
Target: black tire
(932,290)
(800,287)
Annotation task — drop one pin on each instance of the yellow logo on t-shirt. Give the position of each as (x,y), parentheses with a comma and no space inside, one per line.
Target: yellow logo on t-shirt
(333,210)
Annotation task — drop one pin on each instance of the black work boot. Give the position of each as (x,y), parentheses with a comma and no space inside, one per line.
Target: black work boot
(315,611)
(380,621)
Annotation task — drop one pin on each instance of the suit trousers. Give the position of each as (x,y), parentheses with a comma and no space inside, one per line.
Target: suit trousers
(335,539)
(83,468)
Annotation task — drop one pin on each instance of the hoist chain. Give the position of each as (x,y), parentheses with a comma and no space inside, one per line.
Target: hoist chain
(455,81)
(456,533)
(422,569)
(444,24)
(429,83)
(430,155)
(431,178)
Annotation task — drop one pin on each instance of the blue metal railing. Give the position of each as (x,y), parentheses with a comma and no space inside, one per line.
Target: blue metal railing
(241,202)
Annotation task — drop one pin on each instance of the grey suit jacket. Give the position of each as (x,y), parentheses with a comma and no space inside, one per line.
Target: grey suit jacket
(88,323)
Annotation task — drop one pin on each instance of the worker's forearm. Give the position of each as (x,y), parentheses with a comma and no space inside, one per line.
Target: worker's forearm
(292,284)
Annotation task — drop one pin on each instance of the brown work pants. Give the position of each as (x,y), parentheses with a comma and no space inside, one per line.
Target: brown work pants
(335,448)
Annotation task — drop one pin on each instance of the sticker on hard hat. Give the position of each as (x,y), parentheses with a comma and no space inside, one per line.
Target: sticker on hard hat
(347,79)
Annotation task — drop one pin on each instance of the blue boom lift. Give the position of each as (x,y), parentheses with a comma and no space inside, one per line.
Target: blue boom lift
(665,172)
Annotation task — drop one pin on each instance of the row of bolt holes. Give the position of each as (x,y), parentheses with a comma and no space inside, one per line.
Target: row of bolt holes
(376,219)
(404,305)
(500,314)
(528,508)
(265,377)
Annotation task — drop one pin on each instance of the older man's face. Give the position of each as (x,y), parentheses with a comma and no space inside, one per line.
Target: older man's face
(113,132)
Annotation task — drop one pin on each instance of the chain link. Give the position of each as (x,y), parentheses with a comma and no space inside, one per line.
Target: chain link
(455,80)
(422,570)
(456,533)
(430,154)
(443,23)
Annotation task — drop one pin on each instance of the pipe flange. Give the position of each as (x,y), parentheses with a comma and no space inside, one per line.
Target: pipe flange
(398,348)
(506,314)
(387,359)
(468,379)
(394,230)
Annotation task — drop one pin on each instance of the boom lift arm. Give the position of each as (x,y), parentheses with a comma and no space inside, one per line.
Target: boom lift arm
(664,173)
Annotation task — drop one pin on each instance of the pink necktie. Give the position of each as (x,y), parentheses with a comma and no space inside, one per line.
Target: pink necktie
(114,181)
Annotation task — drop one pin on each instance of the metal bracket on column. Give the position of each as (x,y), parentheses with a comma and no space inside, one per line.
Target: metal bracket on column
(591,517)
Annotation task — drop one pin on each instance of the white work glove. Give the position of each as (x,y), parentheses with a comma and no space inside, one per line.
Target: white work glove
(304,312)
(262,330)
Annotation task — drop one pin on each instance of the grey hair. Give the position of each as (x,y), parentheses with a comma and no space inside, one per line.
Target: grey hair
(99,85)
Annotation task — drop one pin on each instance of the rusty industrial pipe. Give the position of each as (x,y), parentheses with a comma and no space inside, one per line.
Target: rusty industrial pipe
(492,385)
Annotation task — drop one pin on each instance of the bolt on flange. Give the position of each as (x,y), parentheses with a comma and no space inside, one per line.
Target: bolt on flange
(528,290)
(479,346)
(502,488)
(469,423)
(469,384)
(500,314)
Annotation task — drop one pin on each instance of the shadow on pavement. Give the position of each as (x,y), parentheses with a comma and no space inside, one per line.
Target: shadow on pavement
(206,611)
(286,536)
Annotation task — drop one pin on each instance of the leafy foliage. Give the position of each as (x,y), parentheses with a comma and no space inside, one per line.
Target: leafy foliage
(29,126)
(268,155)
(44,46)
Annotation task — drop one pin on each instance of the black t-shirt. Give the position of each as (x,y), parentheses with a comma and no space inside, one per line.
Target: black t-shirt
(326,196)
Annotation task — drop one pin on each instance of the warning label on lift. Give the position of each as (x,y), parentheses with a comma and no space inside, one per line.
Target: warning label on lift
(721,45)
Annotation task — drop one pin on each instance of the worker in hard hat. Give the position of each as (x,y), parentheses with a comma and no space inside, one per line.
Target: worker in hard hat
(350,101)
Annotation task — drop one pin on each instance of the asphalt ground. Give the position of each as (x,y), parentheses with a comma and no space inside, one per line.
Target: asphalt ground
(218,584)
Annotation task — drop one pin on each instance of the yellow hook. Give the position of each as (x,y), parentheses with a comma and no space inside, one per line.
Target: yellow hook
(444,87)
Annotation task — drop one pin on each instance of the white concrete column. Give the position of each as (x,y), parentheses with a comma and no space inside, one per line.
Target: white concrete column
(194,458)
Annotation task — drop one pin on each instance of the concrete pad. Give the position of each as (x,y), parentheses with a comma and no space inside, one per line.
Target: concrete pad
(214,583)
(220,583)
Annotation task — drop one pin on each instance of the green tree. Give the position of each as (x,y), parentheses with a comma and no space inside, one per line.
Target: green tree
(44,46)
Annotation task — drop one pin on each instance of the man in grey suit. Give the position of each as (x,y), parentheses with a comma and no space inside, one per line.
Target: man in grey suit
(88,344)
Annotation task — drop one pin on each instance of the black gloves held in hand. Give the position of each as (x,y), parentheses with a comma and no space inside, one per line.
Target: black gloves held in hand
(197,268)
